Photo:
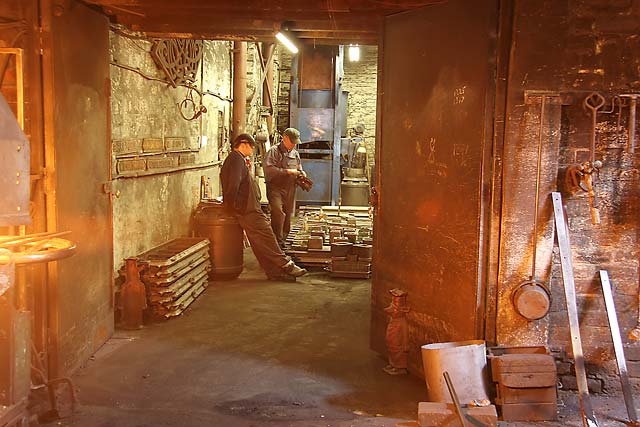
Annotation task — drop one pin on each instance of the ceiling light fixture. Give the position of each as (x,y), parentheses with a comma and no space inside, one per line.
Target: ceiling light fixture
(286,39)
(354,53)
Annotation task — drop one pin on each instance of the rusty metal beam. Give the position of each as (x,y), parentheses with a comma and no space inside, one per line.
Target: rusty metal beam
(206,34)
(291,6)
(313,20)
(46,17)
(255,27)
(350,21)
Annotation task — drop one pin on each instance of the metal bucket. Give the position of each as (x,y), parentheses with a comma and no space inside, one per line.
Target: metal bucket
(354,193)
(466,362)
(226,237)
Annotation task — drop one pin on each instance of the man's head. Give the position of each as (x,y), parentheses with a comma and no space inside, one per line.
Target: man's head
(290,137)
(244,144)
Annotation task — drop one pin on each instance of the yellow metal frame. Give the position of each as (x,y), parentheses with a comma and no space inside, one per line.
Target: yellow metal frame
(19,79)
(22,230)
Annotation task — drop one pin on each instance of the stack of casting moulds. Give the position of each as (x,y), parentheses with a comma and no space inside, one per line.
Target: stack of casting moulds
(175,275)
(351,251)
(338,239)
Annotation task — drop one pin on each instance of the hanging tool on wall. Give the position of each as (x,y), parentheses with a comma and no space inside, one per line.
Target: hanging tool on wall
(532,298)
(189,104)
(633,103)
(582,176)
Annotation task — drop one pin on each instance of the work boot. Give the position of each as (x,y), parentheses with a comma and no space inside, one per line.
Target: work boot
(293,270)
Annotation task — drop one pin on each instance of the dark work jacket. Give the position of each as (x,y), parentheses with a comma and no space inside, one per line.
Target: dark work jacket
(275,165)
(240,193)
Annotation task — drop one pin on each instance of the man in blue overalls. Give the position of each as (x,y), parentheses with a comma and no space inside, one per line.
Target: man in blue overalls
(282,166)
(241,196)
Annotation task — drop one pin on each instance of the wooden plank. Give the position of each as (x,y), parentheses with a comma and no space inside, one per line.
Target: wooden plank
(588,416)
(617,345)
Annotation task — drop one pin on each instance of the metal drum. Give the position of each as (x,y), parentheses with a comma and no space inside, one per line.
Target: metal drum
(354,192)
(226,237)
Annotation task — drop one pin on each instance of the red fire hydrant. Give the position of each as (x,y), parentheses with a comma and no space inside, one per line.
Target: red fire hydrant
(397,336)
(133,297)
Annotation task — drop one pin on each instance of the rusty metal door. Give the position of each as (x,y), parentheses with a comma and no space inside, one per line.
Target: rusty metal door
(435,112)
(76,119)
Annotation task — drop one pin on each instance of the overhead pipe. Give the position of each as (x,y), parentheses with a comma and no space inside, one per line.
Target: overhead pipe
(239,120)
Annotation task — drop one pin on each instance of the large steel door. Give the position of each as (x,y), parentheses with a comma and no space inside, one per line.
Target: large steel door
(435,114)
(81,317)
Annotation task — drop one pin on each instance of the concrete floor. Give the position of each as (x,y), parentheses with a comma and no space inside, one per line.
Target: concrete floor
(250,353)
(257,353)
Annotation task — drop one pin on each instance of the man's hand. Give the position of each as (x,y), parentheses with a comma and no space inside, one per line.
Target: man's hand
(294,172)
(303,173)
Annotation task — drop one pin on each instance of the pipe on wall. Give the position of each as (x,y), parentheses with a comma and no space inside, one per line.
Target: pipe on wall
(267,88)
(239,87)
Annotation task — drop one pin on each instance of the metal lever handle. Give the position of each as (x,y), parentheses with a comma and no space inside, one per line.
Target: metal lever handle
(50,250)
(594,102)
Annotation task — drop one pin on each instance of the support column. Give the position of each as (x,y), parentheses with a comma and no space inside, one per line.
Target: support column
(239,120)
(267,88)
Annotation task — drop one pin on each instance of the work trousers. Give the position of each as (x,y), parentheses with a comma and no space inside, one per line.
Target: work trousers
(263,243)
(281,204)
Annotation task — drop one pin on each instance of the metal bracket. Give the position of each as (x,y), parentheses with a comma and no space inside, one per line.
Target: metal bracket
(109,188)
(552,98)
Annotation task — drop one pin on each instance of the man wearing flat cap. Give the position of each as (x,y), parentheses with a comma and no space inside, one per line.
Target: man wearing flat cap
(282,166)
(241,198)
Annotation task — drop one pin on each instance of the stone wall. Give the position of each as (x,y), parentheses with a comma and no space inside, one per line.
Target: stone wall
(360,80)
(157,208)
(571,48)
(283,87)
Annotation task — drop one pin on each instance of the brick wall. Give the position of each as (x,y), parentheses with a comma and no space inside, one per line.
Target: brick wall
(572,47)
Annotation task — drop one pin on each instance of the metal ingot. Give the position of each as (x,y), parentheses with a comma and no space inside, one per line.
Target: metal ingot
(354,172)
(351,236)
(364,252)
(532,300)
(333,233)
(341,249)
(315,242)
